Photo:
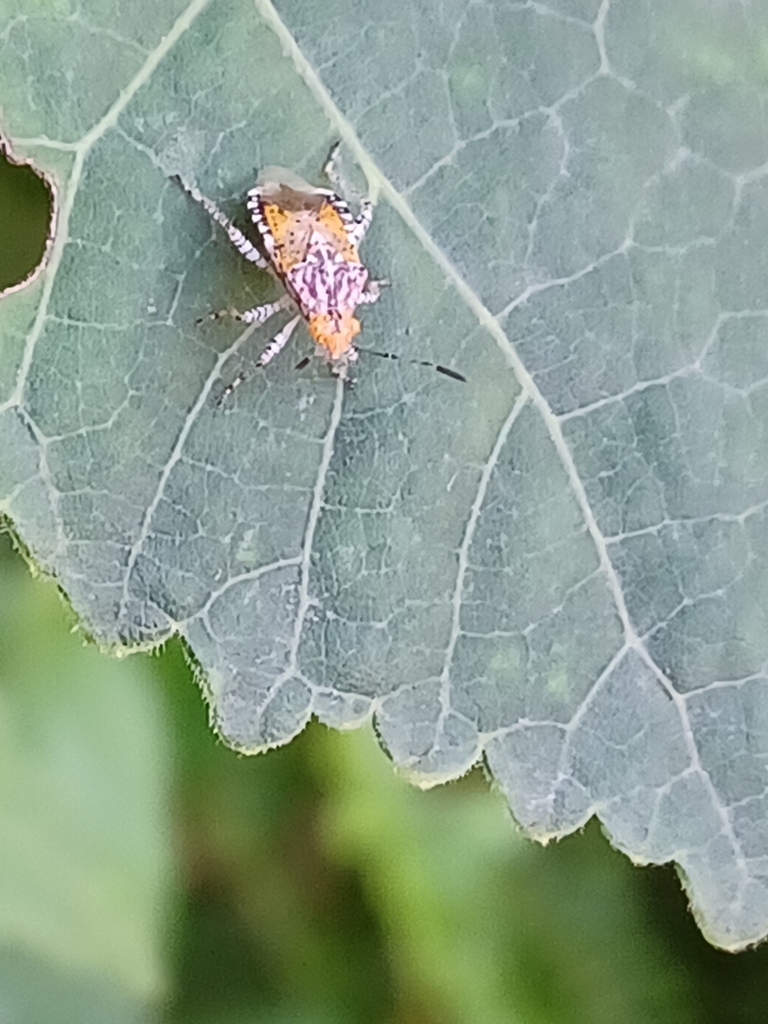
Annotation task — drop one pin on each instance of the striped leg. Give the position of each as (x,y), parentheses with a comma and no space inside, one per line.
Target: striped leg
(277,344)
(330,165)
(356,226)
(257,315)
(362,222)
(245,247)
(260,314)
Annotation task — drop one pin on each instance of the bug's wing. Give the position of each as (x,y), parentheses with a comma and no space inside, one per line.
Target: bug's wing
(332,222)
(286,219)
(273,224)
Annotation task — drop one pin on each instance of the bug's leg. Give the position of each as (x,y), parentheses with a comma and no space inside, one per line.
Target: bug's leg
(329,169)
(276,345)
(373,291)
(356,226)
(245,247)
(257,315)
(361,223)
(260,314)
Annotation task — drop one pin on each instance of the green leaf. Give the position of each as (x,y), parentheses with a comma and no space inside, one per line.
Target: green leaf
(485,922)
(560,566)
(84,851)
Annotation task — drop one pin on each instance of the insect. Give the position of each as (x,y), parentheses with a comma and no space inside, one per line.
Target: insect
(309,241)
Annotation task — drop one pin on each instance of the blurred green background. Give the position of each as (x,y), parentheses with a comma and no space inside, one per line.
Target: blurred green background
(148,873)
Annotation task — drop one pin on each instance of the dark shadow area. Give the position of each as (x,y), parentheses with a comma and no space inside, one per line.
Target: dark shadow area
(26,206)
(733,987)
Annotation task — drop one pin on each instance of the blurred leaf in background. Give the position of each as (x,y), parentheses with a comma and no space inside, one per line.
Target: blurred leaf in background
(485,923)
(85,856)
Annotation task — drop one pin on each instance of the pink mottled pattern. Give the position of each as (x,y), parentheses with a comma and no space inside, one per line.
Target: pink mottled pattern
(324,282)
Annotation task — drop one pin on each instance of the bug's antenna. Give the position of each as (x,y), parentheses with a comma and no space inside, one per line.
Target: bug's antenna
(419,362)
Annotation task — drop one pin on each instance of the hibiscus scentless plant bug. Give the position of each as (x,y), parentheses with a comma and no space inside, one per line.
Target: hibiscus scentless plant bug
(310,242)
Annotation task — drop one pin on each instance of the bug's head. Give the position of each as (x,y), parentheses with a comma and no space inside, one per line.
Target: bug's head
(335,332)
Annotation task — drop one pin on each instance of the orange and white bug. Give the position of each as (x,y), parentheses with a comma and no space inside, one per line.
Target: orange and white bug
(309,241)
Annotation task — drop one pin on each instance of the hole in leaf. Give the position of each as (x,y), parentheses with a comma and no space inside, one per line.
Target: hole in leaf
(26,207)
